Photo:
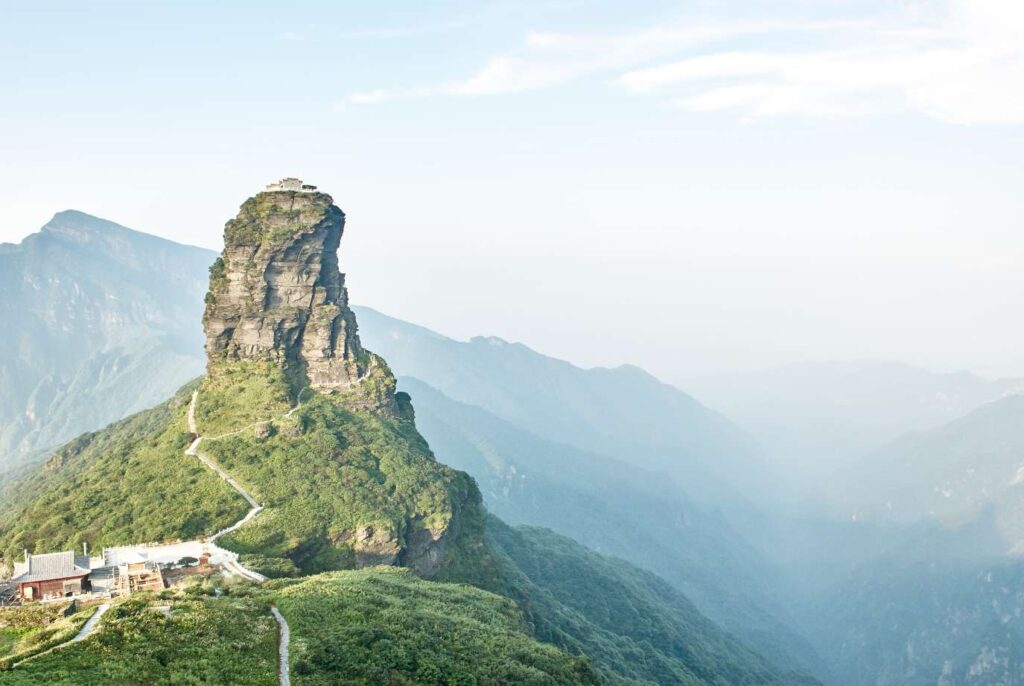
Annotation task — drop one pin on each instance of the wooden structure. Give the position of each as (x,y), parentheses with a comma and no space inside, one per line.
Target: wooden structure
(138,575)
(52,575)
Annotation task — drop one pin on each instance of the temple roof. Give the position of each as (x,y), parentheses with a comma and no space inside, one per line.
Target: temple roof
(54,566)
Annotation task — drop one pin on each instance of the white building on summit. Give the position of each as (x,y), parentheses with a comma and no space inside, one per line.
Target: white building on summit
(290,184)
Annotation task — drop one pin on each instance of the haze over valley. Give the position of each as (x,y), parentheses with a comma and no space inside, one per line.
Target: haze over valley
(484,344)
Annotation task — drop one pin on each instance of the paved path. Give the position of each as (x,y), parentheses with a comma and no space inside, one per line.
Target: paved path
(283,676)
(90,625)
(83,633)
(232,566)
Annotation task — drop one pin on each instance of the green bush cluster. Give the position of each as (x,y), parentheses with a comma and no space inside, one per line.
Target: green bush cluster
(386,626)
(129,483)
(205,640)
(330,473)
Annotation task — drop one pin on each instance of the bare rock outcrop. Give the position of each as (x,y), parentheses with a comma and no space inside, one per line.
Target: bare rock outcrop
(277,294)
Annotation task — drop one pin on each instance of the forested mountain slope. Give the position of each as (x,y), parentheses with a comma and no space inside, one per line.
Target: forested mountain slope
(617,509)
(294,408)
(953,474)
(99,321)
(624,413)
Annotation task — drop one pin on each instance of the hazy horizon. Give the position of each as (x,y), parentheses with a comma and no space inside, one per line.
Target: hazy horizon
(692,188)
(755,417)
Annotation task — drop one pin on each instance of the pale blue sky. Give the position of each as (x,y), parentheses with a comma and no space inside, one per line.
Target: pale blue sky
(690,186)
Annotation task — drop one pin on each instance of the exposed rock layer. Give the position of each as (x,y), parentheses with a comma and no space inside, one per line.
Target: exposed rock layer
(277,294)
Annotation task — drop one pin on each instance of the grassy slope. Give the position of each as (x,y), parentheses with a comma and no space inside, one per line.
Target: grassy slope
(387,626)
(32,629)
(377,626)
(322,474)
(129,483)
(203,641)
(635,627)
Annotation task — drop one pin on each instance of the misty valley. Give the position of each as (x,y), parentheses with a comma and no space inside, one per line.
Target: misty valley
(208,477)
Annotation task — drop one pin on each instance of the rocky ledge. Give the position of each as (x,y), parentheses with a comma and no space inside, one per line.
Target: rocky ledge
(276,293)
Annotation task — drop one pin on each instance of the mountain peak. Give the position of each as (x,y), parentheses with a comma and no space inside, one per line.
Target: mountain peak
(277,294)
(78,224)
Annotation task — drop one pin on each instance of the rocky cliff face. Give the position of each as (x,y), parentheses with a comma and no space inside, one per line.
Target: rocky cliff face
(277,321)
(277,294)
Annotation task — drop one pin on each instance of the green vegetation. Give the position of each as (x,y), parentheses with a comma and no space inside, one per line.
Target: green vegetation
(636,628)
(238,394)
(262,211)
(386,626)
(376,626)
(200,640)
(341,488)
(218,276)
(327,477)
(30,630)
(129,483)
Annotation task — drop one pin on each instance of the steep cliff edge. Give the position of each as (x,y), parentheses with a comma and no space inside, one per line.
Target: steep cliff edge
(292,407)
(297,413)
(276,294)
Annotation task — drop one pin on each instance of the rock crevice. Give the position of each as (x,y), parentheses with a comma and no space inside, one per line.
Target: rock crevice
(277,294)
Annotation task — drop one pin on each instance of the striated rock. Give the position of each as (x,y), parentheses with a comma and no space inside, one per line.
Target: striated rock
(277,294)
(277,323)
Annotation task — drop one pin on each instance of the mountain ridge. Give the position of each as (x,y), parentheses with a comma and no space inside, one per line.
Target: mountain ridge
(343,477)
(94,336)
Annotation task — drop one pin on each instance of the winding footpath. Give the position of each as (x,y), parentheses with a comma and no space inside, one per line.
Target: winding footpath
(227,559)
(90,624)
(230,559)
(231,563)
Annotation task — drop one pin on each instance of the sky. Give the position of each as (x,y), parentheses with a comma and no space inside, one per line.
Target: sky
(688,186)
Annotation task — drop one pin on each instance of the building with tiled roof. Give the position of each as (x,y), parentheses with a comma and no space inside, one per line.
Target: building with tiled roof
(52,575)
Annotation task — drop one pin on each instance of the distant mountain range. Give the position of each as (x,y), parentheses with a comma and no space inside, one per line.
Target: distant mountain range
(296,454)
(953,474)
(897,577)
(815,416)
(99,321)
(629,498)
(623,412)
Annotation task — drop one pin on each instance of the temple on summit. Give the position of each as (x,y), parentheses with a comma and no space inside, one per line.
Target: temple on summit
(290,184)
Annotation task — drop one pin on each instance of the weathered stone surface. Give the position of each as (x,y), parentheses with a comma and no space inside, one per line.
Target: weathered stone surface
(277,294)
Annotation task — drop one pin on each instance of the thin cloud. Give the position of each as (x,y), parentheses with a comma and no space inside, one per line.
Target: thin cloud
(964,66)
(965,71)
(549,59)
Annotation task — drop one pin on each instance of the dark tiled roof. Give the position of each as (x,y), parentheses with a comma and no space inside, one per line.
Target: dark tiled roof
(54,566)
